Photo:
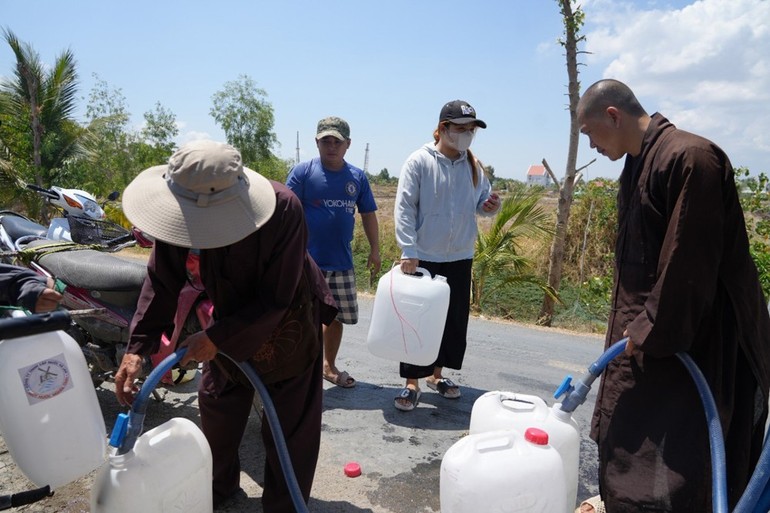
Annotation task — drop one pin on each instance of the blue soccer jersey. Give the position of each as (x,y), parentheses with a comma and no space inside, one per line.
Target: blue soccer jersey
(330,199)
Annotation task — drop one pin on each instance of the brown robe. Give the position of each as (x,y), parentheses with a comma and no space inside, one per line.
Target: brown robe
(255,284)
(684,281)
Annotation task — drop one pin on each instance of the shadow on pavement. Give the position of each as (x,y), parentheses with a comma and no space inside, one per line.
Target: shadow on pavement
(432,412)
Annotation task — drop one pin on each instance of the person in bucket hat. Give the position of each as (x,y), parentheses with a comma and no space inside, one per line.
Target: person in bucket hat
(331,190)
(269,299)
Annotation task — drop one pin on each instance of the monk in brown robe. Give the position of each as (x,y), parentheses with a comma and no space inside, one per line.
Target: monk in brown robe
(684,281)
(269,298)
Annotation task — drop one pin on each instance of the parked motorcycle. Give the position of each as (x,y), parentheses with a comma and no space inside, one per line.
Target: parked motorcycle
(81,213)
(75,249)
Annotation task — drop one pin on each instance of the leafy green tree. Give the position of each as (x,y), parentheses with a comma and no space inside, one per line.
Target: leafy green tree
(498,250)
(243,112)
(274,168)
(109,165)
(590,248)
(160,128)
(755,201)
(37,128)
(384,176)
(11,136)
(156,139)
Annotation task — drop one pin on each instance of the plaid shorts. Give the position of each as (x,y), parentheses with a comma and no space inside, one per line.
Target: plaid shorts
(343,287)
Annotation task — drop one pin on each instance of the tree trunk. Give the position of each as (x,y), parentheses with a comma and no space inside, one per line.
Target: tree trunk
(33,89)
(572,24)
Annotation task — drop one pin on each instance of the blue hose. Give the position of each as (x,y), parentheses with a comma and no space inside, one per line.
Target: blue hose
(575,395)
(757,493)
(763,504)
(756,497)
(610,354)
(129,427)
(716,440)
(280,442)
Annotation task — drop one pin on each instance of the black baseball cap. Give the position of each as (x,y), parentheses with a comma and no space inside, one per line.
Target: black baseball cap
(459,113)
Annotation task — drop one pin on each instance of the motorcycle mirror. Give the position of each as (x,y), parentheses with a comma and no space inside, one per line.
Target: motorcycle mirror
(113,196)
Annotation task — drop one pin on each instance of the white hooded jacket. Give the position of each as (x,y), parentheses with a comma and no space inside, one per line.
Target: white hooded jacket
(436,206)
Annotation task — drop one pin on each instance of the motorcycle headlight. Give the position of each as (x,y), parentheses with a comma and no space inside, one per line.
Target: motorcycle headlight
(90,207)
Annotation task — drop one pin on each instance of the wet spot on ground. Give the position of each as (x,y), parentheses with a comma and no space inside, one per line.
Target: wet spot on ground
(411,491)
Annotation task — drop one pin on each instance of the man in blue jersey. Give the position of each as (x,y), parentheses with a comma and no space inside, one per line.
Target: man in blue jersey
(330,190)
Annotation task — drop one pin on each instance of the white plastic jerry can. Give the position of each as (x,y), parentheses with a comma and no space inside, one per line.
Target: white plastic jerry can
(169,469)
(504,471)
(49,414)
(498,410)
(408,316)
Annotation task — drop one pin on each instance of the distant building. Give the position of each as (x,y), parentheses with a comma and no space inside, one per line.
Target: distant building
(536,175)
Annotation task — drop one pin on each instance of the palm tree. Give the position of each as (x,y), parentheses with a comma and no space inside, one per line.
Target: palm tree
(498,250)
(38,105)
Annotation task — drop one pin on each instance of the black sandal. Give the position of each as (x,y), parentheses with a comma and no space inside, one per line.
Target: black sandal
(443,386)
(407,394)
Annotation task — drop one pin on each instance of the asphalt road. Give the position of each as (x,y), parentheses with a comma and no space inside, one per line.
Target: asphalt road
(399,452)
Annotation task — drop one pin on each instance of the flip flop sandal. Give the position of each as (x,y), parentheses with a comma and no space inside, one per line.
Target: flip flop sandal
(444,386)
(343,380)
(407,394)
(595,502)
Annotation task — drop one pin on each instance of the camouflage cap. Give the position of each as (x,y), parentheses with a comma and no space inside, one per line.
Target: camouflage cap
(334,126)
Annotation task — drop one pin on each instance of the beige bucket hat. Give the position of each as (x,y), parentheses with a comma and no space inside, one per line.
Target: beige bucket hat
(204,198)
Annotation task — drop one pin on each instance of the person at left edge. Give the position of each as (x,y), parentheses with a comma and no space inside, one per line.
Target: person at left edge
(269,298)
(23,287)
(330,190)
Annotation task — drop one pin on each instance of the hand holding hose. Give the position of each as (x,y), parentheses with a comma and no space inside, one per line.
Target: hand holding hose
(130,369)
(630,346)
(200,348)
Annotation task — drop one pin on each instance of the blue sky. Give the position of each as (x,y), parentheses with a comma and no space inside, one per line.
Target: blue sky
(388,67)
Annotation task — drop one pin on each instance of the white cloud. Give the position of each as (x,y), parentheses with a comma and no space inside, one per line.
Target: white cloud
(705,66)
(192,135)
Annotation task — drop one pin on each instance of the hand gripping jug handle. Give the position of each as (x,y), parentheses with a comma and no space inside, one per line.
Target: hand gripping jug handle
(408,316)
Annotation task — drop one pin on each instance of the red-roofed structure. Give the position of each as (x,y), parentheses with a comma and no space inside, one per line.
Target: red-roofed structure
(536,175)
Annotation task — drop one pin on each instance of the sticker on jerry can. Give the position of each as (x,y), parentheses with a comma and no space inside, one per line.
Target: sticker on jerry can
(46,379)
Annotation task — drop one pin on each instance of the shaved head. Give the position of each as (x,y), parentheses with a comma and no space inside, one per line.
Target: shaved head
(608,93)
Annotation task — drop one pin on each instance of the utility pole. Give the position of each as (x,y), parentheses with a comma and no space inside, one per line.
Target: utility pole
(297,162)
(366,159)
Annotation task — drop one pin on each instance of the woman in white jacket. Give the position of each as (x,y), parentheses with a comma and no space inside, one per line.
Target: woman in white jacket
(441,188)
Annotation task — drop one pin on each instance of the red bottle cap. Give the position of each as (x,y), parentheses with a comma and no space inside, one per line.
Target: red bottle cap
(352,469)
(536,436)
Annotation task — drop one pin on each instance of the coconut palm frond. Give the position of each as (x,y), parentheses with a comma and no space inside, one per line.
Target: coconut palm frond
(498,248)
(60,87)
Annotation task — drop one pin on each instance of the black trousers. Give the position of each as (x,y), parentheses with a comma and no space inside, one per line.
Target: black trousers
(454,339)
(298,403)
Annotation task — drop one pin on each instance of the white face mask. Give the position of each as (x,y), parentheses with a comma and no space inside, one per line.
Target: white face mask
(460,141)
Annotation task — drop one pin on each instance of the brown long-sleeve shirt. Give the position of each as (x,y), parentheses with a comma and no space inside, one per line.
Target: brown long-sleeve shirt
(251,283)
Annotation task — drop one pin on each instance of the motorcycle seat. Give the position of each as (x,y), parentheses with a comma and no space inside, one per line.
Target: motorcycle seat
(93,270)
(17,227)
